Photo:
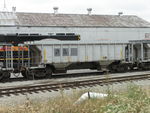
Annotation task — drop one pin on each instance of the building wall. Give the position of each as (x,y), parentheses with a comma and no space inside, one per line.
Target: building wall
(91,33)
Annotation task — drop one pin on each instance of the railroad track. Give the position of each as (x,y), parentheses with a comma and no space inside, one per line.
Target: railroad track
(68,85)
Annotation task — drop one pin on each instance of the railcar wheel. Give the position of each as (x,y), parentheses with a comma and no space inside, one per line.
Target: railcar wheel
(122,68)
(28,74)
(24,74)
(6,75)
(111,69)
(1,76)
(39,74)
(48,72)
(140,66)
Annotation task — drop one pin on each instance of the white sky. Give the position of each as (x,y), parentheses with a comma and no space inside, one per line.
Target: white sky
(140,8)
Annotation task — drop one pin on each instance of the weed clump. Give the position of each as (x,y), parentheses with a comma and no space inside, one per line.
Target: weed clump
(134,100)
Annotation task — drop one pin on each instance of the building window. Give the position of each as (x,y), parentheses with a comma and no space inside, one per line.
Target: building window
(74,52)
(65,52)
(57,52)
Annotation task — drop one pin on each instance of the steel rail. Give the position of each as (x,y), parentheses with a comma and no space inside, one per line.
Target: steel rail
(67,85)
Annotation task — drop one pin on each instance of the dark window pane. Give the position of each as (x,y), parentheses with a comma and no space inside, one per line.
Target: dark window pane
(74,52)
(56,52)
(65,52)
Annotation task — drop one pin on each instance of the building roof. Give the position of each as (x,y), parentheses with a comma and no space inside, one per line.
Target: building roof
(72,20)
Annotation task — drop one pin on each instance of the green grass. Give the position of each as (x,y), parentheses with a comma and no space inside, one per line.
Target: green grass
(132,100)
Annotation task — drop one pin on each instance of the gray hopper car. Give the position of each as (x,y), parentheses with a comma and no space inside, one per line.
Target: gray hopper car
(59,57)
(42,59)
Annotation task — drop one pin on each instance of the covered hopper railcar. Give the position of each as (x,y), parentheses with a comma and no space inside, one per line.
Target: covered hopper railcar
(59,57)
(42,59)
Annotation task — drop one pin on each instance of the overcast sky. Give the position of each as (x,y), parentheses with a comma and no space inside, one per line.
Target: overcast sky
(140,8)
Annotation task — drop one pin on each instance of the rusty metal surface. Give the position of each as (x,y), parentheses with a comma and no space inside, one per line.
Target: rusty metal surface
(77,20)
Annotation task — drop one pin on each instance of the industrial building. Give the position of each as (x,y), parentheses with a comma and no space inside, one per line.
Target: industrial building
(89,26)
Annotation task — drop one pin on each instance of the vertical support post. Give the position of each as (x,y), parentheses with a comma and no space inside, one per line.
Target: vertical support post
(6,57)
(22,53)
(108,51)
(69,57)
(141,51)
(101,52)
(42,53)
(78,52)
(132,52)
(115,51)
(52,53)
(129,51)
(85,53)
(29,58)
(11,57)
(18,61)
(93,52)
(123,51)
(61,53)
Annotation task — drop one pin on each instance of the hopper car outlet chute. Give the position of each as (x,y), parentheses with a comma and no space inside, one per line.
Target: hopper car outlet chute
(40,60)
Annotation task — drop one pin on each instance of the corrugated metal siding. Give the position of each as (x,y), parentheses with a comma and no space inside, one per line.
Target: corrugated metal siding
(86,33)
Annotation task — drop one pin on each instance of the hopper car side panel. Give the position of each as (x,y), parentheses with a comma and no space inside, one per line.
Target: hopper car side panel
(82,52)
(65,56)
(66,53)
